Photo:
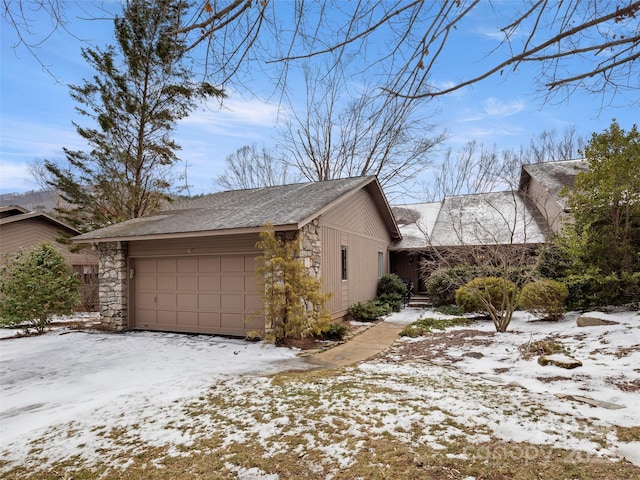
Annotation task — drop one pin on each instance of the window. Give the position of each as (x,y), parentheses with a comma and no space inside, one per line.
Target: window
(380,264)
(344,262)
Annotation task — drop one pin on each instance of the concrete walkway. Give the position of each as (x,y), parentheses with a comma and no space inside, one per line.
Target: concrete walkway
(361,347)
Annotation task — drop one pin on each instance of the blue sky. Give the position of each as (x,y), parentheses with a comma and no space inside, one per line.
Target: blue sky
(37,111)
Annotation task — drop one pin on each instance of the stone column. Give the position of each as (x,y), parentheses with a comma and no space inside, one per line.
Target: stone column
(311,247)
(113,285)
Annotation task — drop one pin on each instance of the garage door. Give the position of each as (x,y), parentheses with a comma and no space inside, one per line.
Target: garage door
(200,294)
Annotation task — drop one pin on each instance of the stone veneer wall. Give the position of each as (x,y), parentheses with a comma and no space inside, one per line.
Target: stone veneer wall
(112,288)
(311,247)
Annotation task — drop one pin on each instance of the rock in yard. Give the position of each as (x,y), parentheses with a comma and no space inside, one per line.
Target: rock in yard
(473,354)
(583,321)
(592,402)
(559,360)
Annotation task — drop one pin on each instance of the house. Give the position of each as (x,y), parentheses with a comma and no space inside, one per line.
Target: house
(524,217)
(191,267)
(21,228)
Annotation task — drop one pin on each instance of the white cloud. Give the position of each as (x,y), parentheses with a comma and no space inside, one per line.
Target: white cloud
(30,140)
(235,117)
(497,108)
(16,177)
(494,33)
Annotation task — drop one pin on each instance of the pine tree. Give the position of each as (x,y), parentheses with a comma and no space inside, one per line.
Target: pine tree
(140,89)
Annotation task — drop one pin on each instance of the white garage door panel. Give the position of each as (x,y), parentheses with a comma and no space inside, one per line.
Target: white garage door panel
(202,294)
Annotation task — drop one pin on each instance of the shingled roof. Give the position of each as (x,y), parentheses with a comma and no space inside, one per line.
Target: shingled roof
(17,213)
(482,219)
(287,207)
(553,176)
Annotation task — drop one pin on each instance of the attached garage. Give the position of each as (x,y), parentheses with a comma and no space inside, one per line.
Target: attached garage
(191,267)
(200,294)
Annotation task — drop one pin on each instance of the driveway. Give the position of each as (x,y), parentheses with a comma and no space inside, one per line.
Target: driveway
(94,378)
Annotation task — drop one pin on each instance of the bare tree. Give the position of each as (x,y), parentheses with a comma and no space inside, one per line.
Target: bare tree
(602,35)
(551,146)
(500,236)
(476,168)
(371,134)
(251,167)
(591,45)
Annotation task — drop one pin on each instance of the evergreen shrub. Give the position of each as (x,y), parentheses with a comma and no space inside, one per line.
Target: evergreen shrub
(545,297)
(34,285)
(473,296)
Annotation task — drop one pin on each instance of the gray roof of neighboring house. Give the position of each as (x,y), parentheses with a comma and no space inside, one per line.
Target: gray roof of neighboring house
(286,205)
(16,213)
(553,176)
(481,219)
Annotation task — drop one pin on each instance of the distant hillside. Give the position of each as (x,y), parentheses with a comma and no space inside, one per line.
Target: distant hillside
(47,200)
(42,200)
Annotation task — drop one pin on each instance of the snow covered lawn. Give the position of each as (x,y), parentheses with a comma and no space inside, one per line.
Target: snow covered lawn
(466,400)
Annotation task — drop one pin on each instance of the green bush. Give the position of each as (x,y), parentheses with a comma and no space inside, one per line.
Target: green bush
(36,284)
(472,296)
(392,291)
(393,300)
(333,331)
(449,310)
(371,310)
(545,297)
(391,284)
(442,284)
(590,290)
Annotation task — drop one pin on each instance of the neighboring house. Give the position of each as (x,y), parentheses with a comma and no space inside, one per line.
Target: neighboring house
(191,267)
(20,228)
(523,217)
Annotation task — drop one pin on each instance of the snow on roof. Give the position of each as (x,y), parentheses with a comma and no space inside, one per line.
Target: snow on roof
(553,176)
(480,219)
(416,222)
(487,219)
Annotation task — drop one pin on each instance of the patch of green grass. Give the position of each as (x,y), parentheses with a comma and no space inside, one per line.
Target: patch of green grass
(423,326)
(449,310)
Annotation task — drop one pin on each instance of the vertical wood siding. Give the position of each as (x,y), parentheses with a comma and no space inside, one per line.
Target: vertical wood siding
(224,244)
(32,232)
(355,223)
(550,210)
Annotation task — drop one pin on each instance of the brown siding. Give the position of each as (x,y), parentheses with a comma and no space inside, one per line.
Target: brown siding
(32,232)
(195,246)
(356,224)
(203,285)
(548,207)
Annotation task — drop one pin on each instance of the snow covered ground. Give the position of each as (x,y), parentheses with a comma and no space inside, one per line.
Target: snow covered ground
(97,379)
(63,394)
(608,380)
